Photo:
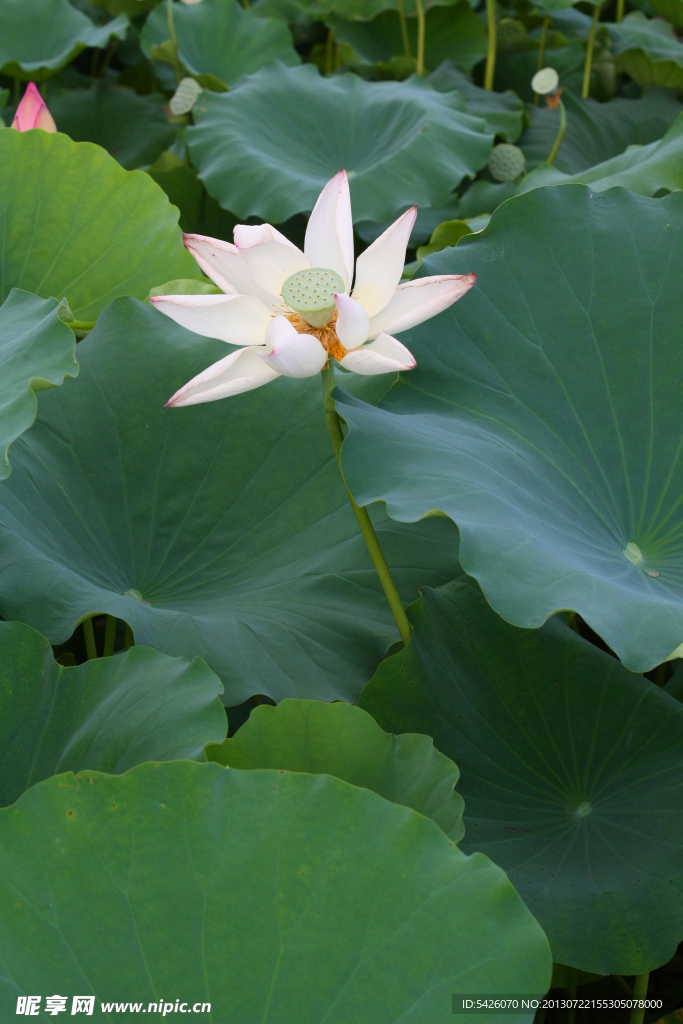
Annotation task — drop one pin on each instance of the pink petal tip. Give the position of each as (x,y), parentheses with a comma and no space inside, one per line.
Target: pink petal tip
(32,112)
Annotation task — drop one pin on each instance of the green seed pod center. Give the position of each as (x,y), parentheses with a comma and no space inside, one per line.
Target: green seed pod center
(311,293)
(507,162)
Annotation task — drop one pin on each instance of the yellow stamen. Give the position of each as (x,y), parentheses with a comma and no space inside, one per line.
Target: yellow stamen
(327,335)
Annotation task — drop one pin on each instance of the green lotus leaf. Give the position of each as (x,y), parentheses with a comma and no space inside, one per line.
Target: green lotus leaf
(598,131)
(367,10)
(401,143)
(271,896)
(36,351)
(502,111)
(543,416)
(572,772)
(515,70)
(446,234)
(671,10)
(75,224)
(111,493)
(427,221)
(132,8)
(220,38)
(133,129)
(341,740)
(38,37)
(199,213)
(549,6)
(648,50)
(642,169)
(289,11)
(453,31)
(109,714)
(186,287)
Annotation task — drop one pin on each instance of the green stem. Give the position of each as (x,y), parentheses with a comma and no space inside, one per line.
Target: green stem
(541,51)
(329,51)
(626,987)
(491,54)
(109,637)
(404,28)
(640,983)
(620,10)
(361,514)
(174,41)
(571,1013)
(111,49)
(585,89)
(420,69)
(661,673)
(130,639)
(560,134)
(89,635)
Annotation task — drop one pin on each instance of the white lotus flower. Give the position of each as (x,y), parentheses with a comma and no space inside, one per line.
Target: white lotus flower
(290,311)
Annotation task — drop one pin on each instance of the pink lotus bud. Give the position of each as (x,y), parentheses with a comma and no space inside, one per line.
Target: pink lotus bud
(32,112)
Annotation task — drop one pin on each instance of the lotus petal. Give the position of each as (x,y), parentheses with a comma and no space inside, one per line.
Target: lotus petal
(241,371)
(419,300)
(383,355)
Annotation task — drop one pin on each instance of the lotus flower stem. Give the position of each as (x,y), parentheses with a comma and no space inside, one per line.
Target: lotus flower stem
(419,7)
(111,50)
(404,28)
(174,41)
(109,637)
(589,53)
(560,134)
(329,52)
(573,979)
(89,636)
(626,987)
(620,10)
(640,983)
(130,639)
(541,52)
(361,514)
(491,55)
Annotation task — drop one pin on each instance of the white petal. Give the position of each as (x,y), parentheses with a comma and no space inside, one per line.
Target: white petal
(379,268)
(271,262)
(329,234)
(221,261)
(237,319)
(353,323)
(419,300)
(290,353)
(384,355)
(240,371)
(246,236)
